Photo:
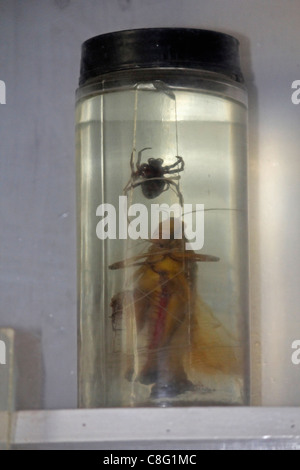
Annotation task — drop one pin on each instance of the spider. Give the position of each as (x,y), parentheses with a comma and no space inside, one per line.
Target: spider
(150,176)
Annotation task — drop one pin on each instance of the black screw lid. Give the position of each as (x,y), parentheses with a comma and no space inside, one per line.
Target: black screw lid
(160,47)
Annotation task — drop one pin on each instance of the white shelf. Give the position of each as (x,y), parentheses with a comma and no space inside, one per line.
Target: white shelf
(149,428)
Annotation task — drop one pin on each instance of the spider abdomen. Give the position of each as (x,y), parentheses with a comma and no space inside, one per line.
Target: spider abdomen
(153,188)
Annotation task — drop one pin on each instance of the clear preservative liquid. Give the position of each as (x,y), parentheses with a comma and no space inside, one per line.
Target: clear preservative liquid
(162,225)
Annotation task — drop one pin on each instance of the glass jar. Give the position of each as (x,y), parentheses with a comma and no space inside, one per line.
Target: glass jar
(161,138)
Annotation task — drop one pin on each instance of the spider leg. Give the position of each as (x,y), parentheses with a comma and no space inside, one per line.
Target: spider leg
(161,178)
(133,172)
(177,190)
(167,169)
(125,190)
(138,163)
(179,160)
(131,185)
(131,161)
(167,186)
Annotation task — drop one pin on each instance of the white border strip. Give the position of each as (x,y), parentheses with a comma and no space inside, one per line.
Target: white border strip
(148,428)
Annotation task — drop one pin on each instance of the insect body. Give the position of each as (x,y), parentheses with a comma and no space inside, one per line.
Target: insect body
(170,332)
(151,175)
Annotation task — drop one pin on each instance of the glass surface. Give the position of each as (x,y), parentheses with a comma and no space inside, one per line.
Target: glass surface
(163,321)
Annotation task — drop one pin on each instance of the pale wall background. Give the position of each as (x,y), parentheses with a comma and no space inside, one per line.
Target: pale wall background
(39,62)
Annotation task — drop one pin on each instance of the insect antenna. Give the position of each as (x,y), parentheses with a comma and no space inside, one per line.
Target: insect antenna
(213,209)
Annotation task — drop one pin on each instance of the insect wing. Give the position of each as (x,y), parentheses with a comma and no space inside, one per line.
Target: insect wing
(214,351)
